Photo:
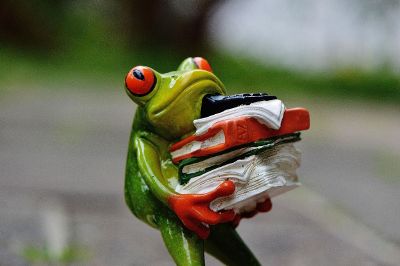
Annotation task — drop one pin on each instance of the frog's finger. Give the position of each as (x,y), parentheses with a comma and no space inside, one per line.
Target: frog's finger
(249,214)
(208,216)
(265,206)
(223,190)
(236,220)
(200,229)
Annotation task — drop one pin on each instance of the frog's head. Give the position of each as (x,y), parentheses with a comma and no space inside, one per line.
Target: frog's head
(172,101)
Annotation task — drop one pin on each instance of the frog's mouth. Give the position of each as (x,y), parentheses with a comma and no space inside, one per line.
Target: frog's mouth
(213,104)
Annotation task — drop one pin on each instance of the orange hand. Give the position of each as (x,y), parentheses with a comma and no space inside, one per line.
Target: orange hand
(194,211)
(265,206)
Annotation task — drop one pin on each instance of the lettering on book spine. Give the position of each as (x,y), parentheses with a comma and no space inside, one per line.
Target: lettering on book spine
(242,130)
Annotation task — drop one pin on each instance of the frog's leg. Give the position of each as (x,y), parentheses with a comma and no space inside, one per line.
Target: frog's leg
(225,244)
(185,247)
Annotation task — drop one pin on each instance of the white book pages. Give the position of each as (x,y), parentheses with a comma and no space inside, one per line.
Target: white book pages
(215,160)
(238,171)
(267,174)
(218,138)
(219,159)
(269,113)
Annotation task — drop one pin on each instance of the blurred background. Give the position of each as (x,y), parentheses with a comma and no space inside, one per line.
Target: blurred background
(65,122)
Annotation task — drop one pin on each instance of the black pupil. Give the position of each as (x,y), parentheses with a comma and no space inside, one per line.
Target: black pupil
(138,74)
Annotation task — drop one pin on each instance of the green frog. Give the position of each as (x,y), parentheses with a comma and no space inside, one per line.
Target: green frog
(167,105)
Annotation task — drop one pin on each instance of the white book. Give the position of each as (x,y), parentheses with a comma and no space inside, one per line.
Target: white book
(269,113)
(257,177)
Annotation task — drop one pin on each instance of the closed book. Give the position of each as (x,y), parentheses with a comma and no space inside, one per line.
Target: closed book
(230,133)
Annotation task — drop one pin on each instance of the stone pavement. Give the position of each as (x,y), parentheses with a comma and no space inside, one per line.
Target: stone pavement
(62,156)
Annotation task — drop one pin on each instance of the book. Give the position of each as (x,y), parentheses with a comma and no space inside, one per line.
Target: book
(256,177)
(196,166)
(269,113)
(225,134)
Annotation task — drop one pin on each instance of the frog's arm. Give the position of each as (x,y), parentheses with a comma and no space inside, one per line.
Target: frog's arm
(150,158)
(192,209)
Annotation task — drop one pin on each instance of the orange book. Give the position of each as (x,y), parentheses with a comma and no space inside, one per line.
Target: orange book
(226,134)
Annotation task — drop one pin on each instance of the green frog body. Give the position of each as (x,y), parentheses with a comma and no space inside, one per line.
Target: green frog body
(167,105)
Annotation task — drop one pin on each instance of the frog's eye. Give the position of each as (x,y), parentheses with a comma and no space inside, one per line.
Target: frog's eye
(201,63)
(140,81)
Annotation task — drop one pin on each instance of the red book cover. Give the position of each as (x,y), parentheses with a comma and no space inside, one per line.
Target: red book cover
(234,132)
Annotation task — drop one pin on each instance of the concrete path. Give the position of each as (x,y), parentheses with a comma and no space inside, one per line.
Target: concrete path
(62,156)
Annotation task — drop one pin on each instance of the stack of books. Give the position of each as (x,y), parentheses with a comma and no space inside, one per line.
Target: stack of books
(251,145)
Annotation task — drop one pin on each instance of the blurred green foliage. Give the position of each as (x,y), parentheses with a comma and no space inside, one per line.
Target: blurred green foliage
(43,256)
(93,49)
(108,69)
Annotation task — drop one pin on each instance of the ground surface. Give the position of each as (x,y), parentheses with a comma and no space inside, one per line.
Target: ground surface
(62,156)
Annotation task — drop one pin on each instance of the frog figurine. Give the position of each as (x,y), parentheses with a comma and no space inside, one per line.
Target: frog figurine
(167,105)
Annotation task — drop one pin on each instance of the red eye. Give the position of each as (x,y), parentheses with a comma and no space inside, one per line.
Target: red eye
(201,63)
(140,81)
